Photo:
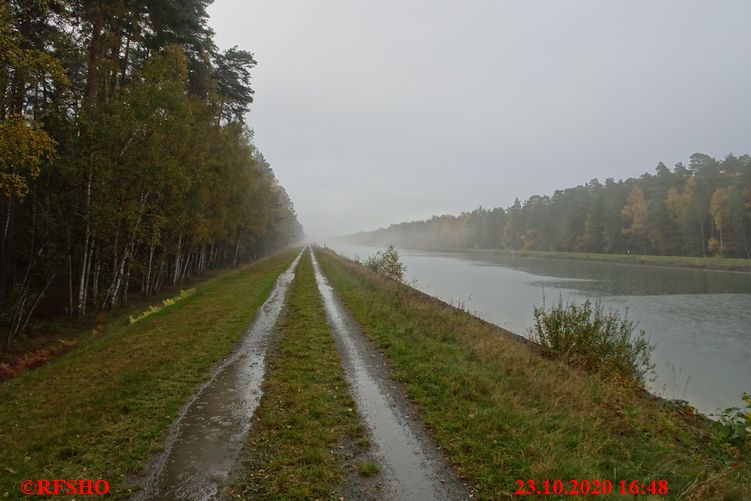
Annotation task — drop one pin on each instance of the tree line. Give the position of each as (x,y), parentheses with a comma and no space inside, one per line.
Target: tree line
(699,209)
(125,162)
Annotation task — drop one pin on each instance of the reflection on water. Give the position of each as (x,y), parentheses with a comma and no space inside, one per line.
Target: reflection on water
(699,320)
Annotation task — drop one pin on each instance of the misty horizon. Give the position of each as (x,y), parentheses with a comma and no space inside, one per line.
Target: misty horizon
(546,196)
(375,113)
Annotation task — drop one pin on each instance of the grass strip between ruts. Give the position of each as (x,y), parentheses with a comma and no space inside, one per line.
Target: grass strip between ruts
(102,410)
(307,430)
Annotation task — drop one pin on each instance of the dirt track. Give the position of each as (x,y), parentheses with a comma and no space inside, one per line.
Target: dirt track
(412,467)
(206,438)
(203,447)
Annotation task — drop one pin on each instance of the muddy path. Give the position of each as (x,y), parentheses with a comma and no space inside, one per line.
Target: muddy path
(205,440)
(411,465)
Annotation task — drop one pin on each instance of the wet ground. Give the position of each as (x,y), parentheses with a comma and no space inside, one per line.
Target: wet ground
(203,447)
(411,465)
(205,441)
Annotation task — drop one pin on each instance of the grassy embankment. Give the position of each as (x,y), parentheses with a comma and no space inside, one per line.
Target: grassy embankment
(711,263)
(503,413)
(101,411)
(307,431)
(52,337)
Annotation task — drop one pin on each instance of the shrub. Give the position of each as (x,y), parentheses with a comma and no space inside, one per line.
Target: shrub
(735,424)
(388,263)
(374,262)
(587,336)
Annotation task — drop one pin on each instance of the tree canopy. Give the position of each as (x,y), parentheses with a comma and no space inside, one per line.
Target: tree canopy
(125,161)
(697,210)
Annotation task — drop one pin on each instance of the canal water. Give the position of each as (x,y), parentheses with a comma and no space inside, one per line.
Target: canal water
(699,320)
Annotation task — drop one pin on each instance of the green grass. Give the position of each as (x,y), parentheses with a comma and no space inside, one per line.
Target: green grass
(715,262)
(502,412)
(368,468)
(307,427)
(103,409)
(51,337)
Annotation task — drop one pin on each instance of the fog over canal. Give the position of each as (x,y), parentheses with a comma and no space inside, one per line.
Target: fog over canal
(699,320)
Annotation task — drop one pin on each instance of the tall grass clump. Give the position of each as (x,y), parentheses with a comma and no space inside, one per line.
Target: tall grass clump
(388,263)
(600,341)
(165,302)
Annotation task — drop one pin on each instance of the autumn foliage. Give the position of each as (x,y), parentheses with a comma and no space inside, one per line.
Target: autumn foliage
(125,162)
(700,209)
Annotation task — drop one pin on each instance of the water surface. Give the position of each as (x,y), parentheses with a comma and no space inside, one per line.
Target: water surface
(699,320)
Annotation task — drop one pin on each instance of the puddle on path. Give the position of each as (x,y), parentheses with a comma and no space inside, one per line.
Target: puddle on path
(411,465)
(207,437)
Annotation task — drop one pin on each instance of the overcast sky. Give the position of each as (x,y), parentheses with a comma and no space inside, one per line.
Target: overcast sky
(376,112)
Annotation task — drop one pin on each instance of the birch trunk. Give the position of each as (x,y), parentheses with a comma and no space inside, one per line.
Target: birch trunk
(95,280)
(178,255)
(70,285)
(126,283)
(5,258)
(82,299)
(34,305)
(88,271)
(159,277)
(237,250)
(185,267)
(117,281)
(145,289)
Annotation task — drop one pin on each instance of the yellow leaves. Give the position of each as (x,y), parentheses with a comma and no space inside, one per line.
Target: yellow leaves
(29,65)
(719,207)
(165,303)
(679,201)
(23,148)
(635,211)
(23,145)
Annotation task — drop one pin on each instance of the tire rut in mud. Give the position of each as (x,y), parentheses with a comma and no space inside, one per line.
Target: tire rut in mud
(412,466)
(205,440)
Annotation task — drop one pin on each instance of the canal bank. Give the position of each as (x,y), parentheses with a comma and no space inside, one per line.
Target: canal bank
(699,320)
(501,412)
